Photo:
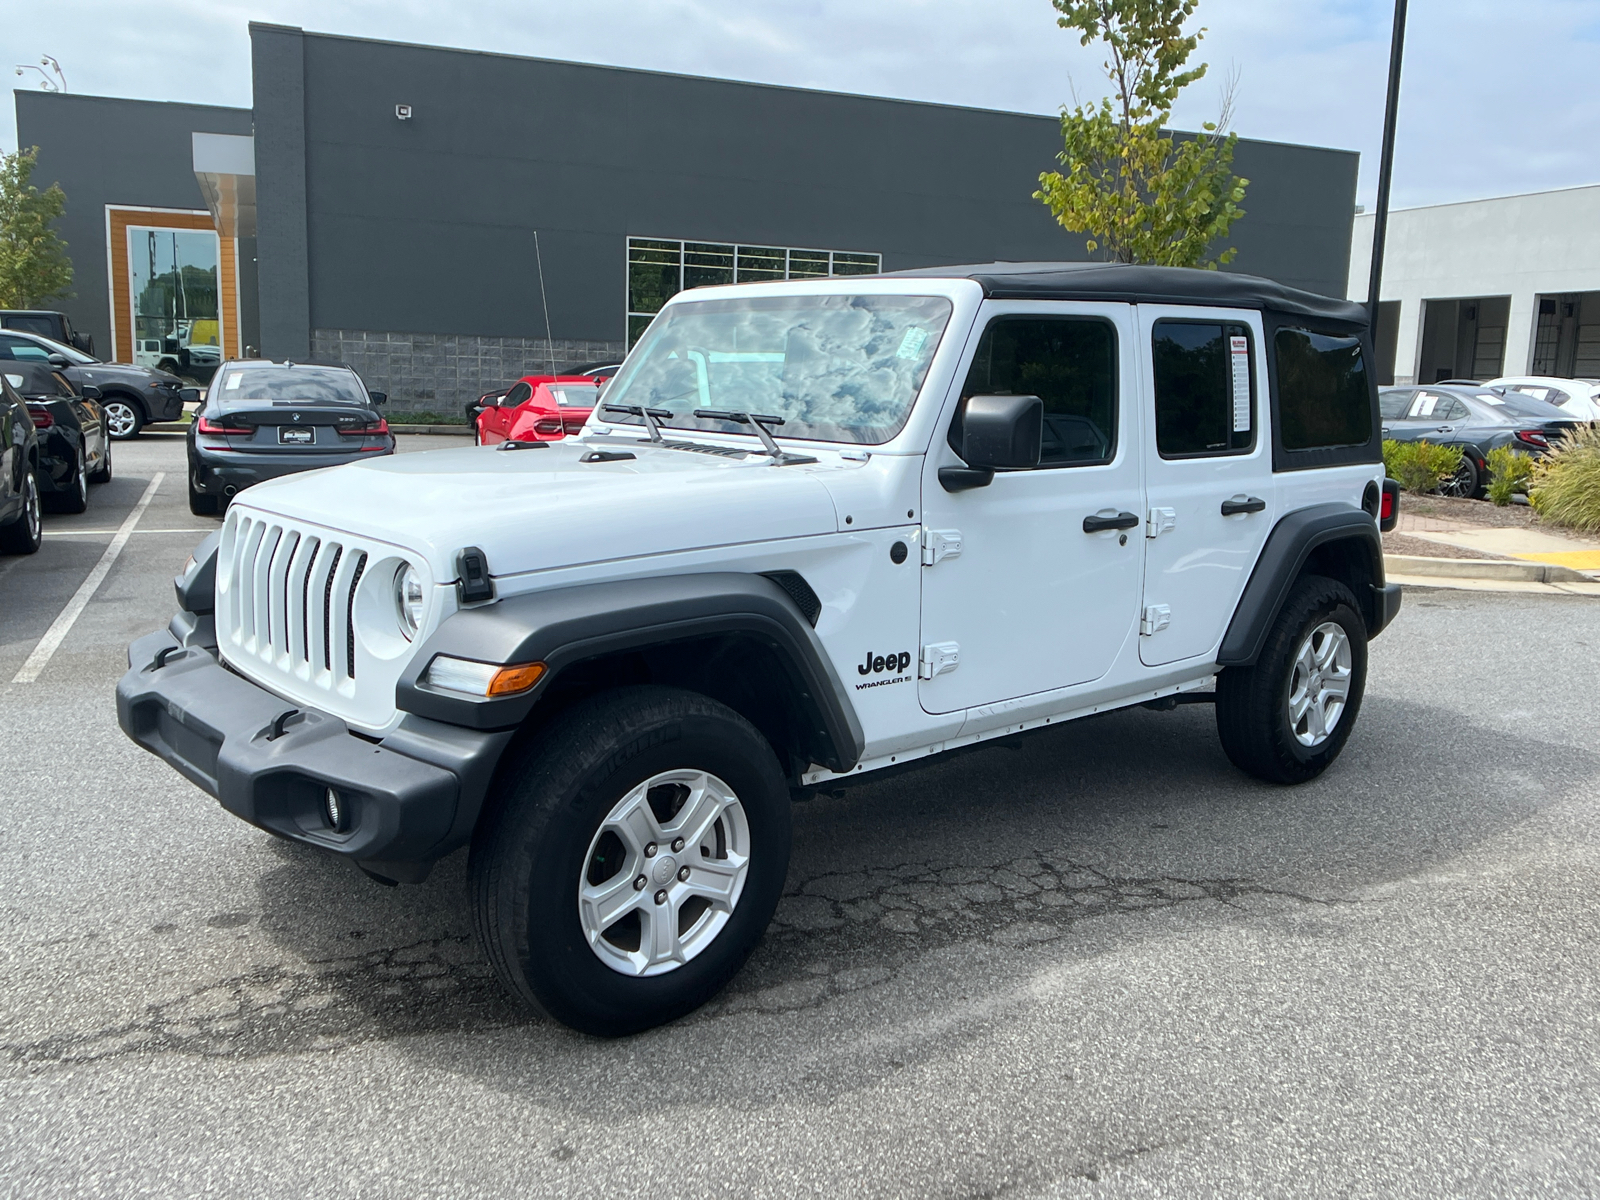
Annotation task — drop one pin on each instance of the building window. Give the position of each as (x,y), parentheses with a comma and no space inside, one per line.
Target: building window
(659,269)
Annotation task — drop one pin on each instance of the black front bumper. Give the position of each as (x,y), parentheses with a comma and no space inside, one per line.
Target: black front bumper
(410,798)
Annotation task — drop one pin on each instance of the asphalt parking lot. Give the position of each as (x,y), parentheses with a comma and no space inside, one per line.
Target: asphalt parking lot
(1098,962)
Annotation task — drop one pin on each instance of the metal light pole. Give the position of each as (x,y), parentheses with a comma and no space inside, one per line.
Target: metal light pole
(1380,221)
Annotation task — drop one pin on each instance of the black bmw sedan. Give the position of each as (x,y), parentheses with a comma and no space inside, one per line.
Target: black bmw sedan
(263,419)
(1476,418)
(74,442)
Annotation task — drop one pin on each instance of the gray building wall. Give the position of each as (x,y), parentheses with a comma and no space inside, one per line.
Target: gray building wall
(108,151)
(426,226)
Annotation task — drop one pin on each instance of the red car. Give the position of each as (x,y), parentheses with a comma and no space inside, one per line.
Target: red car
(537,408)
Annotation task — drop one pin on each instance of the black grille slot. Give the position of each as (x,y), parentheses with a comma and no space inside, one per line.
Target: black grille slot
(327,611)
(305,601)
(800,592)
(350,617)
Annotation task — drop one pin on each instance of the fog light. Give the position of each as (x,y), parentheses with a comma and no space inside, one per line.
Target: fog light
(333,810)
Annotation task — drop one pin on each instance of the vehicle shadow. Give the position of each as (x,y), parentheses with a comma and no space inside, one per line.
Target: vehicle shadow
(905,894)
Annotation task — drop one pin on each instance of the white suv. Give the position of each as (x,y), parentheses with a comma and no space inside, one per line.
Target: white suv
(810,534)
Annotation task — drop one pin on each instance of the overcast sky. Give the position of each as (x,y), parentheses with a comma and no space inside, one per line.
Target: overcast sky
(1498,97)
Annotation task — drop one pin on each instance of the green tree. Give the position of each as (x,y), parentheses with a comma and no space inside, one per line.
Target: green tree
(34,266)
(1141,195)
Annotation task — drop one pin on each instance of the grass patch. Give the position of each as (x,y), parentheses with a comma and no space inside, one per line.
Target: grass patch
(1420,466)
(1566,482)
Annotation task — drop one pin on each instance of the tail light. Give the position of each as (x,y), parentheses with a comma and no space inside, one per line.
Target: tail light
(1532,437)
(550,425)
(372,429)
(1389,506)
(41,417)
(205,425)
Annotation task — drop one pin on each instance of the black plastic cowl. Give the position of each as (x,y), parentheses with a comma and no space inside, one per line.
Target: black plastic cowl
(196,585)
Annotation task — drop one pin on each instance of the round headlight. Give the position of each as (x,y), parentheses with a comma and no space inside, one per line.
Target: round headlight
(408,600)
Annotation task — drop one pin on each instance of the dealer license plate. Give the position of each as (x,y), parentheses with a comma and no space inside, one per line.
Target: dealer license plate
(289,435)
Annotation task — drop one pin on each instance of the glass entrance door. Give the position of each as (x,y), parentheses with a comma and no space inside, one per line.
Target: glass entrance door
(173,281)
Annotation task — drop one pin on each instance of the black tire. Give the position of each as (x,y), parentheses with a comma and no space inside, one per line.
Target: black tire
(1467,482)
(125,417)
(103,475)
(75,497)
(24,534)
(1253,703)
(201,504)
(544,817)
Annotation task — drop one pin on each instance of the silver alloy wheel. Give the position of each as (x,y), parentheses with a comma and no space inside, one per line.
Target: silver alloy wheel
(1319,683)
(664,872)
(30,505)
(120,418)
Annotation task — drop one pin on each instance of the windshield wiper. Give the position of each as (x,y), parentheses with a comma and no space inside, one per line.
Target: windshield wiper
(758,422)
(649,415)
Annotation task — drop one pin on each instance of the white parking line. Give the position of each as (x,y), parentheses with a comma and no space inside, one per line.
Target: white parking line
(62,625)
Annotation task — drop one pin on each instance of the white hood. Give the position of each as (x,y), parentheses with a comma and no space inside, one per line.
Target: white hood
(539,508)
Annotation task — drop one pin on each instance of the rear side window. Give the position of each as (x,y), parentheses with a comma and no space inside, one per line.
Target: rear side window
(1205,388)
(1324,396)
(1393,406)
(1070,363)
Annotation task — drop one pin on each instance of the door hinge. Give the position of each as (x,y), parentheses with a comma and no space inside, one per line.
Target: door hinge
(1159,521)
(1156,618)
(940,543)
(938,658)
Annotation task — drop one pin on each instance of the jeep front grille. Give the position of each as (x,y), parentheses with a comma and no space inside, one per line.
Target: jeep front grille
(286,613)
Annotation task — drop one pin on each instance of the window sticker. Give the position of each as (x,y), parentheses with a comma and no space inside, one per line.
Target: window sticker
(234,380)
(1491,398)
(1241,383)
(911,345)
(1425,405)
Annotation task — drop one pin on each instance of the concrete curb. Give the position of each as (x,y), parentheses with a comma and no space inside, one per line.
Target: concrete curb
(457,430)
(1508,570)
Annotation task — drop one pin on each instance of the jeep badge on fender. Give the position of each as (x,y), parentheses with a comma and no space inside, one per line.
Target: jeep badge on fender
(659,637)
(884,662)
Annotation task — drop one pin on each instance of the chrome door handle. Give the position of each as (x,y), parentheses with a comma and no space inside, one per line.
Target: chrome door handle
(1123,520)
(1233,507)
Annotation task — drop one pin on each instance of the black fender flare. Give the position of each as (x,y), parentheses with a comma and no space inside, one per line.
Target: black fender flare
(563,626)
(1288,547)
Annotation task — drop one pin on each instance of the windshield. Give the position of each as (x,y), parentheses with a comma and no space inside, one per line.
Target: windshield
(36,380)
(290,385)
(834,368)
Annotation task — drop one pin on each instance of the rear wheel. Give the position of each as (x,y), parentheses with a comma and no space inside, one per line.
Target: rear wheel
(630,859)
(1467,482)
(103,474)
(75,497)
(1286,718)
(25,533)
(124,418)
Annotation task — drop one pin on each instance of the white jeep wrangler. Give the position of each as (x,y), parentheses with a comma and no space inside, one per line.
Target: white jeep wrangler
(811,533)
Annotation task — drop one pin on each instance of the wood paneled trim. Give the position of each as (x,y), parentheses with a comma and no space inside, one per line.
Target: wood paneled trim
(117,222)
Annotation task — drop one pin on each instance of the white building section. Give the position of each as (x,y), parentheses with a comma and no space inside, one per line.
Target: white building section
(1484,288)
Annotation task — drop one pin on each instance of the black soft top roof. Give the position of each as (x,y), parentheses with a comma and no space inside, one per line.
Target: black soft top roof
(1130,284)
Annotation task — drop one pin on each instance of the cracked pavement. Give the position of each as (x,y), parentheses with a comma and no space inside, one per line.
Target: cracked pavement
(1094,961)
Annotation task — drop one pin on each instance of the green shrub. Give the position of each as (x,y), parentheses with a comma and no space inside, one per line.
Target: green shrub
(1420,466)
(1509,473)
(1566,482)
(427,418)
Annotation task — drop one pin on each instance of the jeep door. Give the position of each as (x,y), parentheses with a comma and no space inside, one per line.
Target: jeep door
(1032,600)
(1208,473)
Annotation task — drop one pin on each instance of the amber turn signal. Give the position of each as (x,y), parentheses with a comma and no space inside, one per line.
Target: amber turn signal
(509,681)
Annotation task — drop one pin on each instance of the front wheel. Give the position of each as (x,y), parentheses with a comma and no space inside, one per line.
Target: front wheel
(1285,719)
(75,498)
(102,474)
(630,859)
(124,418)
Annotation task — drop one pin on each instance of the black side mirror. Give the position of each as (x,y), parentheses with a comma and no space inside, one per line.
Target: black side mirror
(59,360)
(90,392)
(378,397)
(997,432)
(190,395)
